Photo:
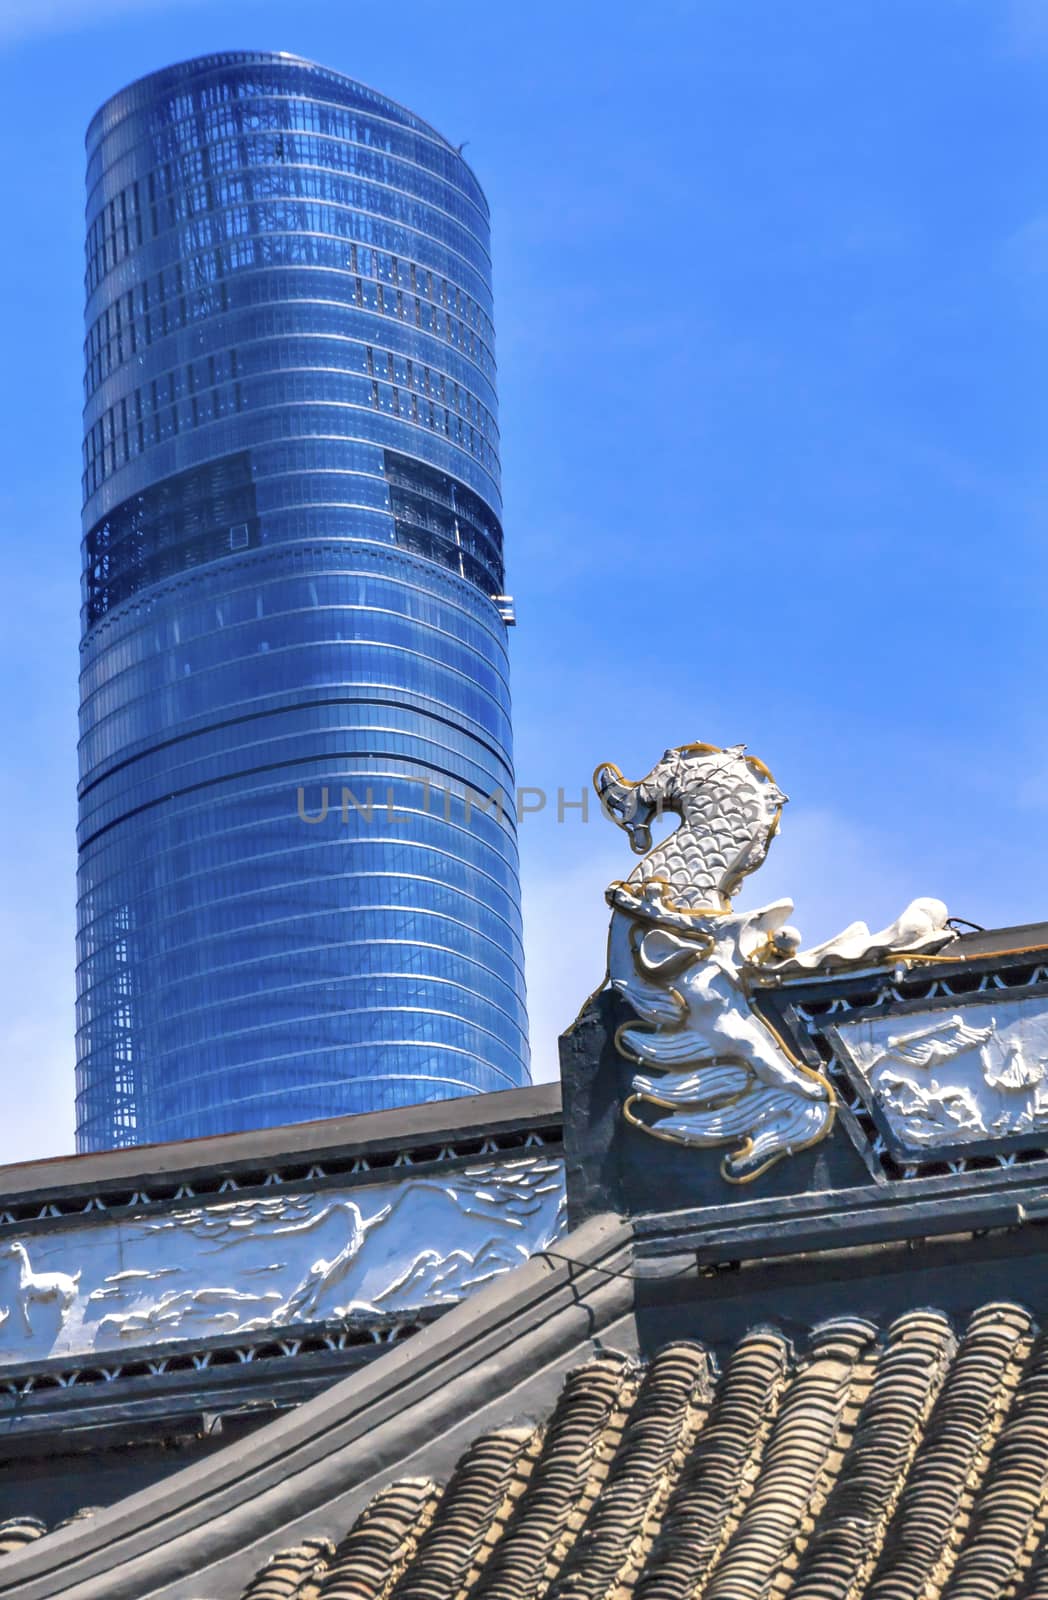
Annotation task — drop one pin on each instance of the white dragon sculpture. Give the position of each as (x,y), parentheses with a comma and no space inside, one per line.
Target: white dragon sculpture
(686,961)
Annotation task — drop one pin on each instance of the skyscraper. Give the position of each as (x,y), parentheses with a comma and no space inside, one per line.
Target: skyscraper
(293,593)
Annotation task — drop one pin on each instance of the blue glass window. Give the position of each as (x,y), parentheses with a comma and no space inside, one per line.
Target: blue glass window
(292,541)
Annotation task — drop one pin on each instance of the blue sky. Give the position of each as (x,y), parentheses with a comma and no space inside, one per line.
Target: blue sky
(772,296)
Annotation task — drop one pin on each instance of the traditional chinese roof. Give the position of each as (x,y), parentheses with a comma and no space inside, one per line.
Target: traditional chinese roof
(16,1532)
(889,1466)
(703,1389)
(83,1376)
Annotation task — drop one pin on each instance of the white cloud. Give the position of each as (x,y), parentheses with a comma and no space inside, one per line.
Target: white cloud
(36,1034)
(836,871)
(565,934)
(39,1058)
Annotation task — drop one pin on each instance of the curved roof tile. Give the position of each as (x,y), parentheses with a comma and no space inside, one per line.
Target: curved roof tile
(904,1465)
(865,1468)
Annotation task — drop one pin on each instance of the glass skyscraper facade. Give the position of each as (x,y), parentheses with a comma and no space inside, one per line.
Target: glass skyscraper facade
(294,685)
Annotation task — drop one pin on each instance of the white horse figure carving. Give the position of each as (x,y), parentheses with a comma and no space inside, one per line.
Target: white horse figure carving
(40,1288)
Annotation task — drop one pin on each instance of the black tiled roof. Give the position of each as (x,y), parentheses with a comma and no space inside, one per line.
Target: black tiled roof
(908,1466)
(909,1463)
(17,1532)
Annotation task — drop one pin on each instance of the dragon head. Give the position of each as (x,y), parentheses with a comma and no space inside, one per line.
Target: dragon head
(627,805)
(729,807)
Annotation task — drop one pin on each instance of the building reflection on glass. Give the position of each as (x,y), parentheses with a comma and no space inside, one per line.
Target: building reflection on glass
(292,580)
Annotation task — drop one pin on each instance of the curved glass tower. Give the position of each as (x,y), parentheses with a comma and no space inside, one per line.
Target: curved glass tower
(294,671)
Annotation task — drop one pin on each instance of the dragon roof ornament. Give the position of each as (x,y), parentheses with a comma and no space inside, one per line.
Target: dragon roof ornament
(686,961)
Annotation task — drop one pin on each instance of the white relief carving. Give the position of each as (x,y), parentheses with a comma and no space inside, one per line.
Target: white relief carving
(1005,1065)
(58,1289)
(245,1265)
(433,1279)
(688,963)
(742,1088)
(935,1043)
(921,927)
(971,1075)
(178,1310)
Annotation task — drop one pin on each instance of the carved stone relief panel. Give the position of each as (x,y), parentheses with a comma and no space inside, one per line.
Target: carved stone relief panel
(244,1265)
(965,1073)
